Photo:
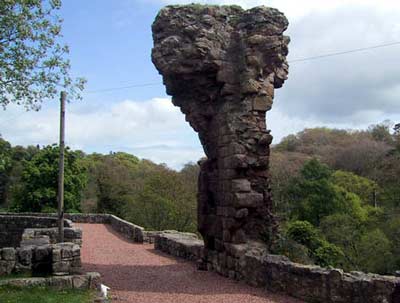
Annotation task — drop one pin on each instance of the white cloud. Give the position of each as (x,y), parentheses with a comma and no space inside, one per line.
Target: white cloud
(295,9)
(152,129)
(349,91)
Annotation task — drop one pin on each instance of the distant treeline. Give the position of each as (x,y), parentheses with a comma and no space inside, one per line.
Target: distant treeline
(336,192)
(140,191)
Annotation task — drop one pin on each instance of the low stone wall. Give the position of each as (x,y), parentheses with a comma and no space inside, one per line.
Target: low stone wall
(128,230)
(89,280)
(89,218)
(149,236)
(12,227)
(57,259)
(77,218)
(252,264)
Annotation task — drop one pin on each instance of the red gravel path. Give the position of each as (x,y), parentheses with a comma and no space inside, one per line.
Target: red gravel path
(138,273)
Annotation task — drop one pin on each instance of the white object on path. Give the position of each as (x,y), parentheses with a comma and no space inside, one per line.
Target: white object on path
(104,289)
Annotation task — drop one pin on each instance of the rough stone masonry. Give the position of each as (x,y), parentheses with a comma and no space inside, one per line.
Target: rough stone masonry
(221,65)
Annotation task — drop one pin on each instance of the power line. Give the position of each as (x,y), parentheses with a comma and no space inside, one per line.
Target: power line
(122,87)
(291,61)
(344,52)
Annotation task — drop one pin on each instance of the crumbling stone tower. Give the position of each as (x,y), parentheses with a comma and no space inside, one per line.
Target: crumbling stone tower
(221,66)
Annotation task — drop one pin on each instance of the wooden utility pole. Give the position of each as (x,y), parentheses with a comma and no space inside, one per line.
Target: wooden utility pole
(60,198)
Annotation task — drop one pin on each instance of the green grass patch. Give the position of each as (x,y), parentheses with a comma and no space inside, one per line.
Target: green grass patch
(11,294)
(15,276)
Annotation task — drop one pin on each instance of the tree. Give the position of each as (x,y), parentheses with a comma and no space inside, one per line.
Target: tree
(33,66)
(11,172)
(312,194)
(315,196)
(396,136)
(166,201)
(364,188)
(381,132)
(345,231)
(5,167)
(320,250)
(375,252)
(114,183)
(39,182)
(363,156)
(283,167)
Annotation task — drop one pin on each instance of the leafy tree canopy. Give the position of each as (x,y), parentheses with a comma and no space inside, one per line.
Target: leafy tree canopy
(314,195)
(362,187)
(33,64)
(39,179)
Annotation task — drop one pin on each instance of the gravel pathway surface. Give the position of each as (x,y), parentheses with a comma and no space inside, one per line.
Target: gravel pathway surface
(138,273)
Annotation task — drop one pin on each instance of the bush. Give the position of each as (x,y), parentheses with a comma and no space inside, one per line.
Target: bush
(303,232)
(328,255)
(320,251)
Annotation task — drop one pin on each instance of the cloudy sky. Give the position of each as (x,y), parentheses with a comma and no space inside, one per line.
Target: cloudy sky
(110,45)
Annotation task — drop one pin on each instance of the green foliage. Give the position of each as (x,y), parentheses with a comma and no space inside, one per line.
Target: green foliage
(5,156)
(289,143)
(33,66)
(164,202)
(295,251)
(392,232)
(365,246)
(304,233)
(315,195)
(364,188)
(321,251)
(5,166)
(39,182)
(12,294)
(347,201)
(375,252)
(142,192)
(314,170)
(328,254)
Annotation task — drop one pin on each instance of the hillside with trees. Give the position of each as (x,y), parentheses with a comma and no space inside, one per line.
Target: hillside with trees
(336,192)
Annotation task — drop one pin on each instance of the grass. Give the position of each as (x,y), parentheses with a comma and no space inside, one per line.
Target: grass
(12,294)
(15,276)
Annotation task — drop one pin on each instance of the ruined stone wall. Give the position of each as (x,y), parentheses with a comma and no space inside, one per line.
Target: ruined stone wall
(221,66)
(278,274)
(13,226)
(37,236)
(57,259)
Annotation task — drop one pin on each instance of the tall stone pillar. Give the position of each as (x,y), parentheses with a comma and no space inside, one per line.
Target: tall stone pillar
(221,66)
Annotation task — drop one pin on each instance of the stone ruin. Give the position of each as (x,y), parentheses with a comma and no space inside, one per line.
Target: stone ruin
(221,65)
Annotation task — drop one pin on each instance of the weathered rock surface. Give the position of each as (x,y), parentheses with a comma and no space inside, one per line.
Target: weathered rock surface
(221,66)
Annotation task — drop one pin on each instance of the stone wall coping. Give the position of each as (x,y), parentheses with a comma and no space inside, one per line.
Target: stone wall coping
(126,222)
(277,273)
(90,280)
